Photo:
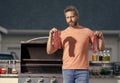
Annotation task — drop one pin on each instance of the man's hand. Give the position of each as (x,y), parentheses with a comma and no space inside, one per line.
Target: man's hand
(100,38)
(51,33)
(98,34)
(50,46)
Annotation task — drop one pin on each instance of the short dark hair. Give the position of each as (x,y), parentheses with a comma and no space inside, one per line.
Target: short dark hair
(71,8)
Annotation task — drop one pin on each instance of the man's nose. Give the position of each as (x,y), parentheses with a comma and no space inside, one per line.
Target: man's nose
(70,19)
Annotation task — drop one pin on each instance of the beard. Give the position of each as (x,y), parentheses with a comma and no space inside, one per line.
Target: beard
(72,24)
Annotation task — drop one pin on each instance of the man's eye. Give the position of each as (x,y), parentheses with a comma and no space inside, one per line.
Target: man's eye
(67,17)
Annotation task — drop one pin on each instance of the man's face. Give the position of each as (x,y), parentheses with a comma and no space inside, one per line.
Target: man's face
(71,18)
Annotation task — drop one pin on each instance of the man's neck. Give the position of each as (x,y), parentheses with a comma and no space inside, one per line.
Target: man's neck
(77,26)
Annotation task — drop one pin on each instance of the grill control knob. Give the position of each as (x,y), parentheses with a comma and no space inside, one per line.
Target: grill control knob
(53,80)
(28,80)
(40,80)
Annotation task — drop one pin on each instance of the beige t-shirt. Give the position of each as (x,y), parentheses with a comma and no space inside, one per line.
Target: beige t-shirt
(76,42)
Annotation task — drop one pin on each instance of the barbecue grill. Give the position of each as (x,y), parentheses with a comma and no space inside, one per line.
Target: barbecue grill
(36,65)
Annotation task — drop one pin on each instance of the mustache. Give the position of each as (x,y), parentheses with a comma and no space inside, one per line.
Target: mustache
(73,23)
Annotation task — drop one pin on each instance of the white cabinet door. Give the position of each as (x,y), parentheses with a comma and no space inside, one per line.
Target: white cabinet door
(100,80)
(118,81)
(8,80)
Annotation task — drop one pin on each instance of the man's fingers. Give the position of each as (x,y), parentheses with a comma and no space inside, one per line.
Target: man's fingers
(99,34)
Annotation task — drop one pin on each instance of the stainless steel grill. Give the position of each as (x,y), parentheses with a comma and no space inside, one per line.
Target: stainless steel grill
(37,66)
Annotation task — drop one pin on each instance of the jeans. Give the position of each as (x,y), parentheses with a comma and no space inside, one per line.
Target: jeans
(75,76)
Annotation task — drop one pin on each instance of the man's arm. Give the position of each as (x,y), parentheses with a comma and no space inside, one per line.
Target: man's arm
(50,46)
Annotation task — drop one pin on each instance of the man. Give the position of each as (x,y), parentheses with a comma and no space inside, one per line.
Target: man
(75,41)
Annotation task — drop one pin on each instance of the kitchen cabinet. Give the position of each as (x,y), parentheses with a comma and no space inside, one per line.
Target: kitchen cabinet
(8,80)
(104,80)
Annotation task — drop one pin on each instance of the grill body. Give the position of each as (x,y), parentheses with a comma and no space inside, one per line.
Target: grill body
(37,66)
